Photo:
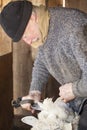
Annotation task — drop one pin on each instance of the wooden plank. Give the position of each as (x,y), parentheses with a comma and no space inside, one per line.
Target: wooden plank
(0,3)
(38,2)
(83,5)
(6,92)
(80,4)
(5,41)
(53,3)
(22,69)
(50,2)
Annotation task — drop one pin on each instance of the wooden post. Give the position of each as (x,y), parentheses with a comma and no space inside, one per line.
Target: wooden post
(22,69)
(80,4)
(6,92)
(6,78)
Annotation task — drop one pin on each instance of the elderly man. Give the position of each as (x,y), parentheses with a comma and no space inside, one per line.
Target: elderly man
(62,36)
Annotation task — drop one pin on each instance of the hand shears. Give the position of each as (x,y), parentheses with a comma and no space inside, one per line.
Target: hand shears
(18,102)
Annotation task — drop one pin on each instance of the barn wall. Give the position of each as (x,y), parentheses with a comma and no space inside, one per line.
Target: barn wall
(16,62)
(5,41)
(6,92)
(80,4)
(6,84)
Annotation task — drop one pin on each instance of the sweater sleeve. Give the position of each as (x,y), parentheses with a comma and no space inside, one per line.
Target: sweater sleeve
(39,74)
(78,40)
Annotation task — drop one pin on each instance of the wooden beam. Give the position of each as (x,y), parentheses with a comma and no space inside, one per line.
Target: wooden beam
(5,41)
(79,4)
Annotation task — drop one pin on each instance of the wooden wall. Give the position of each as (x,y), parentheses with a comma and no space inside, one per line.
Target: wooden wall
(6,92)
(5,41)
(16,62)
(6,79)
(80,4)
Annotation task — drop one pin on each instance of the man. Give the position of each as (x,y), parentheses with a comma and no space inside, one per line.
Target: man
(62,36)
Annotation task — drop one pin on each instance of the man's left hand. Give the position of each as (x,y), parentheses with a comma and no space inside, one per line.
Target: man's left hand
(66,93)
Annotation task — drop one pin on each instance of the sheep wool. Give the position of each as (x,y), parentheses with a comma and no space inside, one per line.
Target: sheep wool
(53,116)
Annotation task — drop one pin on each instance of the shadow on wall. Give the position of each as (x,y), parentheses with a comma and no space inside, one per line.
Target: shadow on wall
(6,92)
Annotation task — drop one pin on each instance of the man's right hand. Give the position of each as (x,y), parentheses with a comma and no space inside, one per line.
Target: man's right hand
(34,95)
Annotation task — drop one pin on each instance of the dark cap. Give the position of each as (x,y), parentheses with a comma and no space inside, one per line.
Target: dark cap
(14,18)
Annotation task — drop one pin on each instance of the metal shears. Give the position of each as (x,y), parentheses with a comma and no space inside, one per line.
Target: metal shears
(18,102)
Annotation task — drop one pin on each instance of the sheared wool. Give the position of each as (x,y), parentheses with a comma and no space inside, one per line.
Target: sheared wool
(55,116)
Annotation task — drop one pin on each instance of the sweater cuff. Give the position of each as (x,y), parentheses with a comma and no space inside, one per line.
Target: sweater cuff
(34,92)
(75,89)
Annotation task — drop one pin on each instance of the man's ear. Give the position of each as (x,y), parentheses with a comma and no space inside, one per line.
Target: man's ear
(34,16)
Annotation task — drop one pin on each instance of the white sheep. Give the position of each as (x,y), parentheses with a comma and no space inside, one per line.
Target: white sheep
(54,116)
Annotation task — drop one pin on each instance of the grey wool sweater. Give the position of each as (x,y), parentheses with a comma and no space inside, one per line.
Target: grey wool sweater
(64,53)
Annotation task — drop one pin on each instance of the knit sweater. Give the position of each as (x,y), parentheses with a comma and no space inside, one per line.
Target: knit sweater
(64,53)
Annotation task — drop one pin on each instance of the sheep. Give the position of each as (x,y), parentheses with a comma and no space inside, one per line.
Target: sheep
(53,116)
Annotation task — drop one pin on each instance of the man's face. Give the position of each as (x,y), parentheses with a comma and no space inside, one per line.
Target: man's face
(32,32)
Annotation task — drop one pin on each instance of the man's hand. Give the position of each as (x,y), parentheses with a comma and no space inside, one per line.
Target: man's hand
(35,95)
(66,93)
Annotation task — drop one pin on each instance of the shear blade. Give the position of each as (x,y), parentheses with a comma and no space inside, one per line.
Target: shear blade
(35,106)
